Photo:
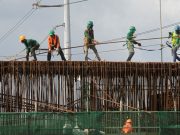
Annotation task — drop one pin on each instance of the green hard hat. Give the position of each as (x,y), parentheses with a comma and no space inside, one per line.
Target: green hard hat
(90,23)
(51,32)
(177,28)
(132,28)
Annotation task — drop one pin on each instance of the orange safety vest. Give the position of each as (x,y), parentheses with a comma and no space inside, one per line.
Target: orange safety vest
(127,128)
(53,40)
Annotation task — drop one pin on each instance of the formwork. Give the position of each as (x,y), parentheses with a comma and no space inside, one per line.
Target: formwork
(58,91)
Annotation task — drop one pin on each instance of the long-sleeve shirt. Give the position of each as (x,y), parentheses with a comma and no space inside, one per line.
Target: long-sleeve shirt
(130,41)
(130,36)
(89,35)
(53,41)
(30,43)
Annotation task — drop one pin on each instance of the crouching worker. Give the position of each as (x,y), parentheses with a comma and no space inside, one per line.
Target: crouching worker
(54,43)
(31,46)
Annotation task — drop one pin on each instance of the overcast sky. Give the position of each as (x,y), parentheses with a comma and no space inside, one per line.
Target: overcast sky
(112,19)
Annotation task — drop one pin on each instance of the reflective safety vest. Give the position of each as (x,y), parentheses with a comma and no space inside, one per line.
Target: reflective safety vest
(175,39)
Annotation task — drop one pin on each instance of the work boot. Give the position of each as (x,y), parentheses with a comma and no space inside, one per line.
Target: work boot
(86,58)
(97,56)
(35,58)
(27,57)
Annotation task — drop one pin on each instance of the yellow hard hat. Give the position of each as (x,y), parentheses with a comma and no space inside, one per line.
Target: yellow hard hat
(128,120)
(21,38)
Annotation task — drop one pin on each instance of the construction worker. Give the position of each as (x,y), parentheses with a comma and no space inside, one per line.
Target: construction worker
(127,127)
(31,45)
(89,41)
(54,43)
(175,36)
(131,41)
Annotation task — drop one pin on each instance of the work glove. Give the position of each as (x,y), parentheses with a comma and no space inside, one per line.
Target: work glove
(57,50)
(95,42)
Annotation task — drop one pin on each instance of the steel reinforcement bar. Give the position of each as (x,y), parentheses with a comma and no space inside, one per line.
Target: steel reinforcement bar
(76,86)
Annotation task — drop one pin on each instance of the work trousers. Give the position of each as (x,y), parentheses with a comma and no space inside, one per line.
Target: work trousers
(86,47)
(59,52)
(32,50)
(130,56)
(174,53)
(130,47)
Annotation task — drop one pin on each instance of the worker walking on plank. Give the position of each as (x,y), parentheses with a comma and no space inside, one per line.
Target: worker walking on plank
(130,42)
(89,41)
(31,45)
(54,43)
(175,40)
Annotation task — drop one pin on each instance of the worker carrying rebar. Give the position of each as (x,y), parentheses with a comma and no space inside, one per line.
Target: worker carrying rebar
(175,41)
(127,127)
(31,46)
(54,43)
(89,41)
(130,42)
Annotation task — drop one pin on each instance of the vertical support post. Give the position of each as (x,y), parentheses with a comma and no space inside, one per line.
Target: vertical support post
(161,31)
(67,31)
(139,125)
(121,105)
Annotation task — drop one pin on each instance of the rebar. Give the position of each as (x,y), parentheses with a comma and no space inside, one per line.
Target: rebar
(76,86)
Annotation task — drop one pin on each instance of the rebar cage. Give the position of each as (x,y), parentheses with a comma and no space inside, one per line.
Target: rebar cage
(76,86)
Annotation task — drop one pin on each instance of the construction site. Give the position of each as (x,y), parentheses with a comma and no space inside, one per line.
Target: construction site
(79,95)
(55,98)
